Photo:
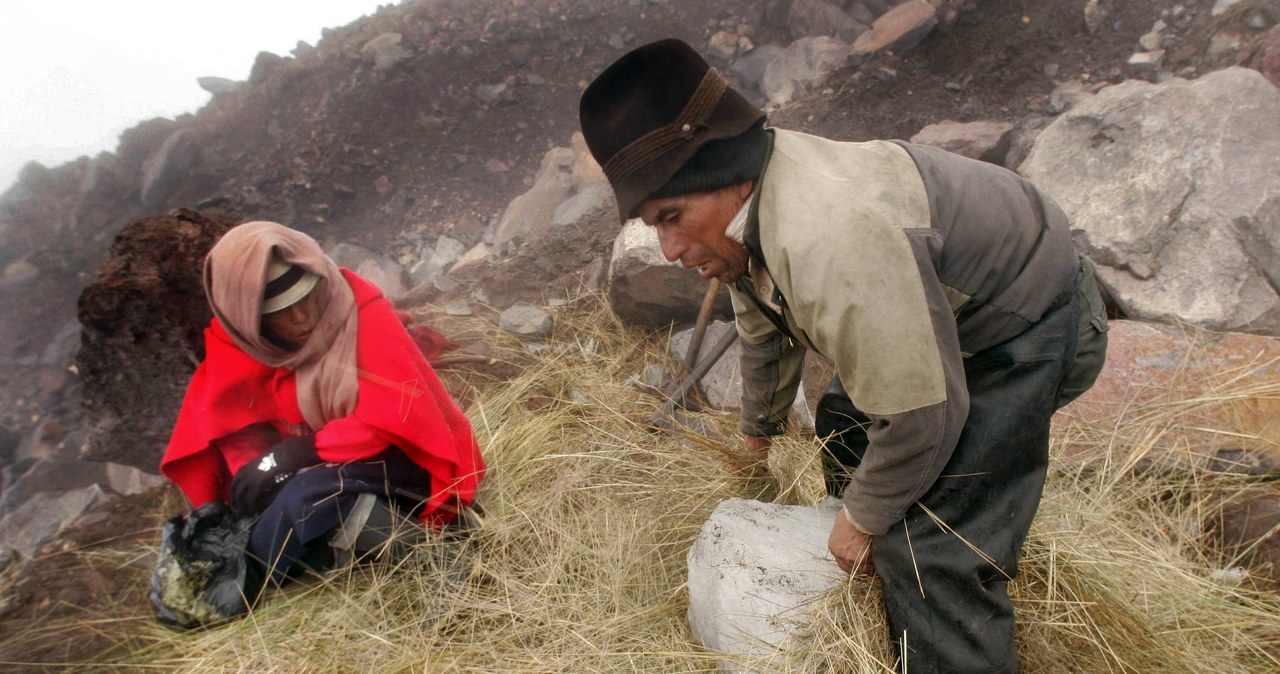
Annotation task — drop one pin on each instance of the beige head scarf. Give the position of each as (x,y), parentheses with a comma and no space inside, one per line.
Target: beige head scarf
(234,280)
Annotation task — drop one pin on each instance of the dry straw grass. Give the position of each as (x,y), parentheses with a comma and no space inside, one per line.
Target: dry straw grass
(580,566)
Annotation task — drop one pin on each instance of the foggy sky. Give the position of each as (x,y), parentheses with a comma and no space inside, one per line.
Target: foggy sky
(75,73)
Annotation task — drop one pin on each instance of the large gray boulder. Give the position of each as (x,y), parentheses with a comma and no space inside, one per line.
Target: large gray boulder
(800,67)
(646,290)
(45,515)
(379,270)
(1174,189)
(529,215)
(752,571)
(723,382)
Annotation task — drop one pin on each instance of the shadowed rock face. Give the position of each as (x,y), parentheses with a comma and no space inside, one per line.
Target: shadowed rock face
(143,319)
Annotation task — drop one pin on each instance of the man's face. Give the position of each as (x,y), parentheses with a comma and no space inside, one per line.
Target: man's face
(295,322)
(691,230)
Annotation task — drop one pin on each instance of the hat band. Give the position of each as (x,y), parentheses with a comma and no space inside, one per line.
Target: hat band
(662,139)
(285,281)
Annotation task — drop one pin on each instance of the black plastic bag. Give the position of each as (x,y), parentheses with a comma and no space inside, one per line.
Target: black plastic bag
(203,576)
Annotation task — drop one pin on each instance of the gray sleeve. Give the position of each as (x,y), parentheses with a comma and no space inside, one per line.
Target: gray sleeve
(905,456)
(907,450)
(771,368)
(771,373)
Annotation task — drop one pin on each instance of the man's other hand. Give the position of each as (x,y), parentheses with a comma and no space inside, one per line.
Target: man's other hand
(851,546)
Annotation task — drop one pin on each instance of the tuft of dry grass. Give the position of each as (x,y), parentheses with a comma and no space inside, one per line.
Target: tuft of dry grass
(580,565)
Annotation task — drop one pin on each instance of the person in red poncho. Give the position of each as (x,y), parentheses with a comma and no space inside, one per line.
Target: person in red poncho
(311,393)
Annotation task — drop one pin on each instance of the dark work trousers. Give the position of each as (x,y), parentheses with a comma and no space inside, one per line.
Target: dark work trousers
(317,500)
(955,616)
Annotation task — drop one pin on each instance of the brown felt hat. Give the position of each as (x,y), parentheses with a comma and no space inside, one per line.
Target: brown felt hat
(653,109)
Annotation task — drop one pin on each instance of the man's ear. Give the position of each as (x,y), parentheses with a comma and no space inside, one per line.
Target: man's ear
(744,189)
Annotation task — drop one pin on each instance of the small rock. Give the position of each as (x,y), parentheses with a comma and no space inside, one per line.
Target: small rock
(1151,60)
(444,284)
(383,185)
(657,377)
(490,94)
(1233,576)
(1224,41)
(526,321)
(219,85)
(19,272)
(899,29)
(1095,15)
(886,75)
(723,45)
(384,51)
(458,308)
(1150,41)
(1223,6)
(1257,19)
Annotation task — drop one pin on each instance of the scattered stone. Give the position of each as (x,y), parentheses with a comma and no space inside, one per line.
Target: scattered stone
(444,284)
(800,66)
(723,45)
(1221,7)
(384,51)
(383,186)
(1149,60)
(529,215)
(458,308)
(753,570)
(19,272)
(988,141)
(1257,19)
(491,94)
(654,380)
(1066,95)
(1224,41)
(526,321)
(219,85)
(751,67)
(1095,15)
(1150,41)
(899,29)
(379,270)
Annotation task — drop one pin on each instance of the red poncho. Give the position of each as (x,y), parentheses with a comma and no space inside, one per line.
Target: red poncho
(400,400)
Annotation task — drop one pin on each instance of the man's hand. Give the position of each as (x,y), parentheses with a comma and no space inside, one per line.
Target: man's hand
(851,546)
(759,446)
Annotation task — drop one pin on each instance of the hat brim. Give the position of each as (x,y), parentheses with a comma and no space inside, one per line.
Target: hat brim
(292,296)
